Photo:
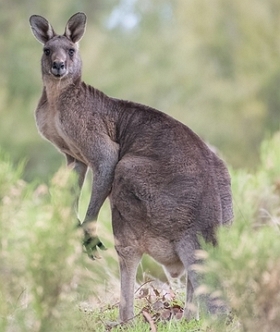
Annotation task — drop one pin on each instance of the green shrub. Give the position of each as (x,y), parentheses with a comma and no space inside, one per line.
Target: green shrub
(247,263)
(44,276)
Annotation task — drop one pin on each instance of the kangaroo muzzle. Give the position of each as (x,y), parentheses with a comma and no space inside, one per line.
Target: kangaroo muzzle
(58,68)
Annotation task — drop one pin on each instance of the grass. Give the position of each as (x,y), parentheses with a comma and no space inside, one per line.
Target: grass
(100,320)
(48,284)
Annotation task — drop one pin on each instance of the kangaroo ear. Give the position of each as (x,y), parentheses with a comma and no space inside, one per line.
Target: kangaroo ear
(75,27)
(41,28)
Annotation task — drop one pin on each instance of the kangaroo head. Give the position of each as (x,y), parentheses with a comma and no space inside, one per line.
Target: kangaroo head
(60,57)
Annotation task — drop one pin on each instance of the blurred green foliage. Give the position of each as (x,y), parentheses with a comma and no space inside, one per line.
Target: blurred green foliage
(247,264)
(214,65)
(44,277)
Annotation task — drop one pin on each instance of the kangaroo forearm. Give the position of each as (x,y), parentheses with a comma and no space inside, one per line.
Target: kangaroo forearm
(106,155)
(100,192)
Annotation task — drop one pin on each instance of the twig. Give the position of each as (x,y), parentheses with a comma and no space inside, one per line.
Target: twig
(146,282)
(150,321)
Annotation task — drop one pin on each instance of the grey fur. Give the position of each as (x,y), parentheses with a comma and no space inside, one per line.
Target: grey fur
(165,186)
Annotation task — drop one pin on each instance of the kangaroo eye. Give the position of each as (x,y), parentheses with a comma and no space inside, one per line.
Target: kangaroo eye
(47,51)
(71,51)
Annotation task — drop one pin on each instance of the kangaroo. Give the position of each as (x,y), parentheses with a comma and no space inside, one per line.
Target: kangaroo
(166,187)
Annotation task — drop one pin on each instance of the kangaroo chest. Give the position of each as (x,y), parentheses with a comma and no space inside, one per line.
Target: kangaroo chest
(49,125)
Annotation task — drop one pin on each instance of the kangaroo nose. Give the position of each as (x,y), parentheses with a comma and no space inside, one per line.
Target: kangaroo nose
(59,68)
(58,65)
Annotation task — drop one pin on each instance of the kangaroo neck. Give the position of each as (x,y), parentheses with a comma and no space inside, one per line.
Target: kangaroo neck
(55,87)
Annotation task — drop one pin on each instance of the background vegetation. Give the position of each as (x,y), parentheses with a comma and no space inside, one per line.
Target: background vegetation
(215,66)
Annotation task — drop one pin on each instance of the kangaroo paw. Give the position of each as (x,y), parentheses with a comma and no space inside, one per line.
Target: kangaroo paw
(91,244)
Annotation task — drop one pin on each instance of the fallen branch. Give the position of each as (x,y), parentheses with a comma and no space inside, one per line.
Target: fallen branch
(150,321)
